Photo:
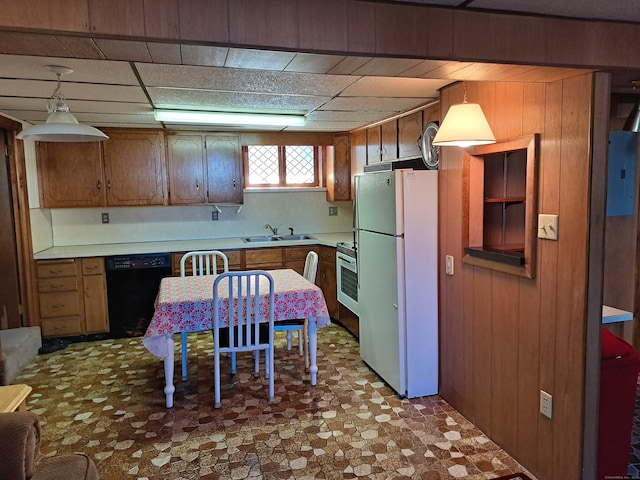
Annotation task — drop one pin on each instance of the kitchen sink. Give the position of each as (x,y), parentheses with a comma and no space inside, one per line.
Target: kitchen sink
(262,238)
(277,238)
(285,238)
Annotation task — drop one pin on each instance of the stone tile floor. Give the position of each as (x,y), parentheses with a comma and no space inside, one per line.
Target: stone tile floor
(105,398)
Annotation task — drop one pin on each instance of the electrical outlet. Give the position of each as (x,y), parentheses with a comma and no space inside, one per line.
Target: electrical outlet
(214,216)
(105,217)
(546,404)
(449,264)
(333,211)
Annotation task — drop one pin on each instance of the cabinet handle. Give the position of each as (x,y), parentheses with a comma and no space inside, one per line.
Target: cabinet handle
(109,184)
(56,286)
(99,185)
(197,185)
(57,307)
(234,183)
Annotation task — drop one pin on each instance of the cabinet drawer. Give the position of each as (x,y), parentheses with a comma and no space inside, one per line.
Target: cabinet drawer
(60,304)
(327,254)
(271,257)
(62,284)
(60,327)
(61,268)
(92,266)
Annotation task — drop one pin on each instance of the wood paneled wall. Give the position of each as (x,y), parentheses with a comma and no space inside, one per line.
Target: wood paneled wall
(505,338)
(338,26)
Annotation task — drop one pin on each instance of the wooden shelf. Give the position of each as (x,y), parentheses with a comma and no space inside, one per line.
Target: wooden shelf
(505,200)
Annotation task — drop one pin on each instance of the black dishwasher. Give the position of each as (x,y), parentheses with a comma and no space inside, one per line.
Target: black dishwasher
(132,286)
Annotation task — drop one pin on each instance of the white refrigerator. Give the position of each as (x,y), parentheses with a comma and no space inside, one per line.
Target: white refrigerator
(396,221)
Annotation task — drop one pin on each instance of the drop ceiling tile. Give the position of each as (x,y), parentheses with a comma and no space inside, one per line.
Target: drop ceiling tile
(349,65)
(386,67)
(204,55)
(231,101)
(19,43)
(258,59)
(80,47)
(394,87)
(239,80)
(127,50)
(87,71)
(313,63)
(372,103)
(72,91)
(361,117)
(165,53)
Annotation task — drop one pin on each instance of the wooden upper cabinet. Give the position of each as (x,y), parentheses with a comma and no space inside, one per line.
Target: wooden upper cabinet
(409,132)
(134,169)
(382,143)
(224,169)
(186,169)
(389,141)
(338,169)
(374,147)
(70,174)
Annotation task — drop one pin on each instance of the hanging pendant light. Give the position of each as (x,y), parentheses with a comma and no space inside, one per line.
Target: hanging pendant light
(61,125)
(464,125)
(633,120)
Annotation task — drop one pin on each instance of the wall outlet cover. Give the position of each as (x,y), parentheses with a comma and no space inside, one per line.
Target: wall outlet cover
(105,217)
(333,211)
(214,215)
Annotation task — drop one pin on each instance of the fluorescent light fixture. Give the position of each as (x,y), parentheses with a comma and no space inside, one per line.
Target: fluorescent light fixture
(228,118)
(61,125)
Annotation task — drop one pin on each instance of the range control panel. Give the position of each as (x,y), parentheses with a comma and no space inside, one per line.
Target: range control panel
(137,262)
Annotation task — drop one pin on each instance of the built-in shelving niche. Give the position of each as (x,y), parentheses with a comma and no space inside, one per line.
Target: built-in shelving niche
(501,182)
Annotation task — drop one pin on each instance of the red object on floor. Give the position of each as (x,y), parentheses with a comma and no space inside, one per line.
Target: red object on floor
(619,369)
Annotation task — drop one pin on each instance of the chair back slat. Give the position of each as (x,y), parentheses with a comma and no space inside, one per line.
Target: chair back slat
(203,262)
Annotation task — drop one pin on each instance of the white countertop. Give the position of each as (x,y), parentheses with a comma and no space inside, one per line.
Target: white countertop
(109,249)
(612,314)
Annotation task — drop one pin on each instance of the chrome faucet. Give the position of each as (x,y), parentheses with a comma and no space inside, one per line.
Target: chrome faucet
(274,230)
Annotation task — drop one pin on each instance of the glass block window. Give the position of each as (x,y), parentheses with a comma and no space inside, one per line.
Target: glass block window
(281,166)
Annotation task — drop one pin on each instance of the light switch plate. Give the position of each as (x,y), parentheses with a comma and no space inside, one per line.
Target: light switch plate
(448,261)
(548,226)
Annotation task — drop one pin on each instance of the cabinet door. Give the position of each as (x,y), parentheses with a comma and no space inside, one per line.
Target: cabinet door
(186,169)
(389,141)
(96,318)
(409,132)
(94,288)
(70,174)
(134,169)
(358,156)
(339,170)
(263,258)
(327,280)
(224,169)
(374,146)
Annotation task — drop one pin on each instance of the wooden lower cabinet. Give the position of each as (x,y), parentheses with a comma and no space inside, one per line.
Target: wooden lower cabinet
(295,257)
(326,279)
(264,258)
(72,296)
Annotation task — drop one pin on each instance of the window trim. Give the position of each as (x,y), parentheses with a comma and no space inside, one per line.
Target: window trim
(317,159)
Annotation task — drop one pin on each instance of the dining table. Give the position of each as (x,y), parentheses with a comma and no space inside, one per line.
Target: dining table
(185,304)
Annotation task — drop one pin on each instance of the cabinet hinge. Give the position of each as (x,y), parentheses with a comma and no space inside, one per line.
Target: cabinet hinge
(6,150)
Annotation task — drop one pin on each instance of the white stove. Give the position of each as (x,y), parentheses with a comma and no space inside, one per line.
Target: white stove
(347,275)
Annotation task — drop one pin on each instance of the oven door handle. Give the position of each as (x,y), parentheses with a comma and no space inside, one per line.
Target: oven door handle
(346,259)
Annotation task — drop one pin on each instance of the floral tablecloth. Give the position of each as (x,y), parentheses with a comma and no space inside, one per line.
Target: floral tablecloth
(184,304)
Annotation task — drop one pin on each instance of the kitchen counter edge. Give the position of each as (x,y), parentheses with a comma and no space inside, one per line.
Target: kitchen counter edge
(169,246)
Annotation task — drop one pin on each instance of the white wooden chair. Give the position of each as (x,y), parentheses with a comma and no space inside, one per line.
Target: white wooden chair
(301,325)
(246,310)
(203,262)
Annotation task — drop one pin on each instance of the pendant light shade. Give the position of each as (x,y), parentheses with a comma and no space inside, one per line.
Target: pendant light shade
(633,120)
(463,126)
(61,125)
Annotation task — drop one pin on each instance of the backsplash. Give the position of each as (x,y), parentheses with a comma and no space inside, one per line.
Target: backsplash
(306,212)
